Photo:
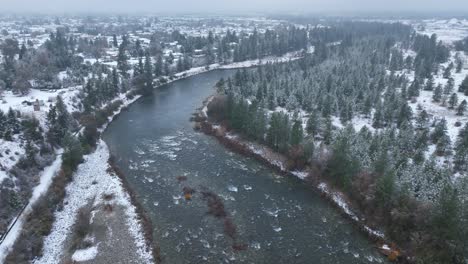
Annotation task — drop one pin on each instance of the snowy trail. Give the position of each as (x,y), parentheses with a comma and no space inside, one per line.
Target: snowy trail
(15,230)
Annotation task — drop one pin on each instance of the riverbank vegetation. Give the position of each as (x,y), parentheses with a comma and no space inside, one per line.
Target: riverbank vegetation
(357,109)
(91,74)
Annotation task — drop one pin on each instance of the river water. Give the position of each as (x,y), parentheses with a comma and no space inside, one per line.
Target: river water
(279,219)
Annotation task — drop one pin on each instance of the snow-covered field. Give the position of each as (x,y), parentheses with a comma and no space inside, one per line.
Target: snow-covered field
(447,30)
(18,102)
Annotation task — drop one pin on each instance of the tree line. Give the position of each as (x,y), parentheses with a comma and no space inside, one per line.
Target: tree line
(399,169)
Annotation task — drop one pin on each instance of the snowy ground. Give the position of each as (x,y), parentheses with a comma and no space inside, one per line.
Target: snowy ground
(245,64)
(45,181)
(448,31)
(9,100)
(86,254)
(93,181)
(11,152)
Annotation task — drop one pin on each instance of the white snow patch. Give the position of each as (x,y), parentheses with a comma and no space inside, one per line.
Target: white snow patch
(385,247)
(300,174)
(338,200)
(85,254)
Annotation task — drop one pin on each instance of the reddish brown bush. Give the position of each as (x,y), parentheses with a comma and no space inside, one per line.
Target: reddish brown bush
(215,204)
(188,192)
(239,246)
(230,228)
(181,178)
(217,108)
(297,159)
(108,208)
(108,196)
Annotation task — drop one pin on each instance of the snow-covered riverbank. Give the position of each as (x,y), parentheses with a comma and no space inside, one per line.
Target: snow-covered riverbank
(54,243)
(279,162)
(94,181)
(291,56)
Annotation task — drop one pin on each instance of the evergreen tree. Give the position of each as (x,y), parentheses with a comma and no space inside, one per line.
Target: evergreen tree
(461,149)
(447,71)
(385,189)
(453,101)
(459,65)
(405,114)
(122,63)
(180,65)
(378,116)
(414,88)
(328,131)
(12,123)
(221,86)
(367,108)
(139,69)
(342,166)
(284,133)
(260,125)
(3,121)
(462,108)
(313,124)
(114,41)
(273,138)
(166,69)
(148,75)
(59,122)
(443,146)
(440,130)
(422,120)
(437,94)
(445,222)
(158,67)
(73,152)
(463,88)
(31,152)
(297,133)
(115,83)
(22,51)
(429,84)
(448,88)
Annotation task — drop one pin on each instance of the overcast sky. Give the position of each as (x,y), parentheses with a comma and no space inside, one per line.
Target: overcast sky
(233,6)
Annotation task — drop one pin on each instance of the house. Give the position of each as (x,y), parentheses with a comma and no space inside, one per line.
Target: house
(37,105)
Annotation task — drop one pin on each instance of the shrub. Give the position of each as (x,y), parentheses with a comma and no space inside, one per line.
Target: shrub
(82,228)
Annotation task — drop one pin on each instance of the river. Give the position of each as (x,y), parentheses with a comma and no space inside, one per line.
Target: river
(280,219)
